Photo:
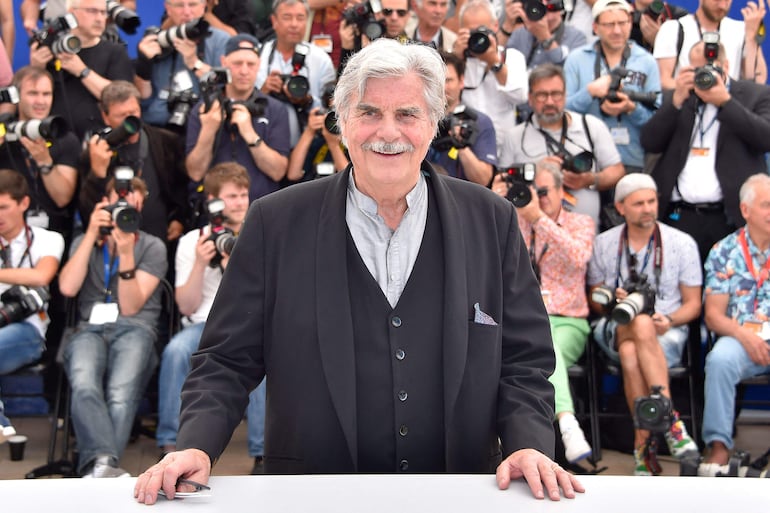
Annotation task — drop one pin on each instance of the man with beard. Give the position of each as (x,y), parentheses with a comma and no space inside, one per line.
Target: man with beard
(738,37)
(561,135)
(623,258)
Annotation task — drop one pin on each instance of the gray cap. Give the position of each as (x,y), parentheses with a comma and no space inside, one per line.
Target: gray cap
(632,183)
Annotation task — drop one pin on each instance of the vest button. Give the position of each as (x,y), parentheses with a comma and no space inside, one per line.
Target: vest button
(403,430)
(396,321)
(403,465)
(402,395)
(400,354)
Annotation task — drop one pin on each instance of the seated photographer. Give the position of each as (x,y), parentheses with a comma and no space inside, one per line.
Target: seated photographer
(240,124)
(615,80)
(465,145)
(30,258)
(80,76)
(168,67)
(581,144)
(113,270)
(201,259)
(44,153)
(737,309)
(645,278)
(559,244)
(291,70)
(155,155)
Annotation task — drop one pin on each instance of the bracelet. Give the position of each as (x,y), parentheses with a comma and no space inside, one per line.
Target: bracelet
(505,32)
(128,275)
(594,186)
(83,74)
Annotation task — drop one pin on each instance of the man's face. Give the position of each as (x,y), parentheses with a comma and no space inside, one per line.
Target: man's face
(613,29)
(182,11)
(715,10)
(546,98)
(134,198)
(243,66)
(395,14)
(550,204)
(475,18)
(236,200)
(289,22)
(119,111)
(757,212)
(11,215)
(698,59)
(432,12)
(388,133)
(92,18)
(35,98)
(453,87)
(640,208)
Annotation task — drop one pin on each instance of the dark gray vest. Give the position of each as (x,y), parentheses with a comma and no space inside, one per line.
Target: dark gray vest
(399,361)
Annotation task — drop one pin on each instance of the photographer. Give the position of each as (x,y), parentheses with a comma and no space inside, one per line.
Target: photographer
(581,144)
(647,18)
(155,155)
(199,267)
(49,166)
(647,330)
(427,26)
(559,245)
(111,355)
(166,75)
(79,78)
(287,58)
(465,147)
(30,258)
(242,125)
(615,80)
(495,77)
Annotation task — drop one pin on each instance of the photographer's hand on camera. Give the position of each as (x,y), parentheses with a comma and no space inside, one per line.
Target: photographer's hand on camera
(149,47)
(71,63)
(717,94)
(273,83)
(683,86)
(348,33)
(577,181)
(38,151)
(40,55)
(649,27)
(614,109)
(531,211)
(600,87)
(241,118)
(100,155)
(100,218)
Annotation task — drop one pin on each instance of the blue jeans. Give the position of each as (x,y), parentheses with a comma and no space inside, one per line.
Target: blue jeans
(20,344)
(174,367)
(672,342)
(726,364)
(108,367)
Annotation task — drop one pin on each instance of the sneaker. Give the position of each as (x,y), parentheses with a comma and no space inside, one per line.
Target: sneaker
(259,467)
(576,447)
(646,461)
(6,432)
(104,467)
(678,441)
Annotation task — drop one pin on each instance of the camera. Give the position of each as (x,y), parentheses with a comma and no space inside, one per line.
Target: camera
(49,128)
(194,30)
(179,104)
(116,137)
(254,104)
(653,412)
(640,299)
(212,84)
(124,216)
(535,10)
(20,301)
(297,86)
(9,95)
(479,40)
(617,75)
(330,122)
(706,76)
(519,178)
(739,465)
(459,129)
(362,16)
(55,35)
(580,163)
(125,18)
(223,237)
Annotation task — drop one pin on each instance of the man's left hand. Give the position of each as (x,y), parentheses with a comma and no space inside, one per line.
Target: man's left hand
(71,62)
(539,471)
(716,94)
(38,150)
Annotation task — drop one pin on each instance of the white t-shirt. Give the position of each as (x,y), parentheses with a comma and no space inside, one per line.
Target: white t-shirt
(185,258)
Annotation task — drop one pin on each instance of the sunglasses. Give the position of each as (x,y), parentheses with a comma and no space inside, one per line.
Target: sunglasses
(401,12)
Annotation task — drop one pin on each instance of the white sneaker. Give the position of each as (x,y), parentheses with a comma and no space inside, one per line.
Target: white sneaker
(103,468)
(576,447)
(6,432)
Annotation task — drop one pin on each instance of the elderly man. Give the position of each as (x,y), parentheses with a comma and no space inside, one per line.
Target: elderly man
(385,277)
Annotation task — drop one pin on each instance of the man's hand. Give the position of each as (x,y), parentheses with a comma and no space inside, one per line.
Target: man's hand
(174,230)
(100,218)
(649,27)
(683,85)
(624,106)
(100,155)
(757,348)
(188,50)
(192,464)
(38,150)
(149,46)
(71,63)
(241,118)
(661,322)
(211,119)
(600,87)
(124,242)
(39,56)
(531,211)
(273,83)
(347,36)
(753,14)
(717,94)
(539,471)
(577,181)
(204,250)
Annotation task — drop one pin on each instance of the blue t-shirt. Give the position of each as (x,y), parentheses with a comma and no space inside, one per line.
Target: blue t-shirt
(485,149)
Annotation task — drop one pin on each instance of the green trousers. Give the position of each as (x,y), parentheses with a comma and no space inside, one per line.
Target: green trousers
(569,341)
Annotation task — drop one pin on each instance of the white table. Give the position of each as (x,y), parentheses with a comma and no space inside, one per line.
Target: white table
(393,494)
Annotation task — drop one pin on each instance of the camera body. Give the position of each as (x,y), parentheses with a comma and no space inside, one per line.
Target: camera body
(48,129)
(535,10)
(124,216)
(519,178)
(617,75)
(297,86)
(179,104)
(706,76)
(459,129)
(362,16)
(223,237)
(653,412)
(116,137)
(582,162)
(55,34)
(212,85)
(9,95)
(640,299)
(479,41)
(126,19)
(20,301)
(194,30)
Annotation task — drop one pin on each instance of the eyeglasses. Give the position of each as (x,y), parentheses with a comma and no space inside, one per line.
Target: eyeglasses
(542,96)
(93,11)
(401,12)
(612,24)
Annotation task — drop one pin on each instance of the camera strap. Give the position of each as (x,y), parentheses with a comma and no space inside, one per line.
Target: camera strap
(601,58)
(5,250)
(700,113)
(111,263)
(654,246)
(533,258)
(759,277)
(555,147)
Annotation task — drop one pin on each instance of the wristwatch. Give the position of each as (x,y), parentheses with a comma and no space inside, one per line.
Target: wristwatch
(497,67)
(84,73)
(548,42)
(45,169)
(128,275)
(198,65)
(256,142)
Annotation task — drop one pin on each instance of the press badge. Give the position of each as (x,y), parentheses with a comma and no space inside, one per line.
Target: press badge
(620,135)
(102,313)
(323,41)
(699,152)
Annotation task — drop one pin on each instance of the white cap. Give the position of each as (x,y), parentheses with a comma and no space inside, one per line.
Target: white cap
(607,5)
(632,183)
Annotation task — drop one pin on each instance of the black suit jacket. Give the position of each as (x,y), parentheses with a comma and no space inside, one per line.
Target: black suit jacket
(283,310)
(744,129)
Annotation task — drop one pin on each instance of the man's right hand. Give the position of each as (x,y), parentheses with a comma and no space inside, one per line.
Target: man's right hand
(273,83)
(756,347)
(683,86)
(211,119)
(205,250)
(149,46)
(100,155)
(39,56)
(100,218)
(192,464)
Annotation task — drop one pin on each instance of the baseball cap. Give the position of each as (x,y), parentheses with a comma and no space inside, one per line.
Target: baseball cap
(629,184)
(242,42)
(607,5)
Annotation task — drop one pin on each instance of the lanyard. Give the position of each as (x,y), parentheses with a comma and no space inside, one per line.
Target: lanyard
(758,277)
(700,31)
(533,259)
(701,113)
(110,269)
(5,251)
(654,245)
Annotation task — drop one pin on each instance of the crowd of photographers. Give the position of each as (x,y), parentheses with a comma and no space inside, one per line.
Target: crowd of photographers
(595,122)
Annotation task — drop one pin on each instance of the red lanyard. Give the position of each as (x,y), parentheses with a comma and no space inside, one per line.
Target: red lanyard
(758,277)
